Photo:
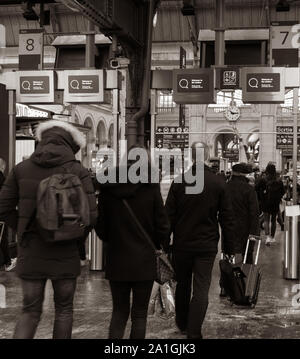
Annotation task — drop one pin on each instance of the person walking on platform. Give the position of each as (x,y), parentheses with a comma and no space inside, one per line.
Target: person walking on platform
(245,207)
(8,262)
(195,220)
(39,258)
(130,261)
(270,191)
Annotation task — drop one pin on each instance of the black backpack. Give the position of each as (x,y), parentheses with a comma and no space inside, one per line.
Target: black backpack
(63,212)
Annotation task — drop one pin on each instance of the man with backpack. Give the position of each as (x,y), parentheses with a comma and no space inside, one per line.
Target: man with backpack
(5,258)
(49,200)
(270,191)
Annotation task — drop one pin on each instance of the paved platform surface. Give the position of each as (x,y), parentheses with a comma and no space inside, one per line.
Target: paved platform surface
(275,316)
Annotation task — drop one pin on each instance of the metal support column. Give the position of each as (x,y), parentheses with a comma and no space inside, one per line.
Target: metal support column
(116,113)
(90,46)
(12,128)
(220,33)
(295,143)
(153,118)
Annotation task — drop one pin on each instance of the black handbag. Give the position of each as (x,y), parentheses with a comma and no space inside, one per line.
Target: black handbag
(164,269)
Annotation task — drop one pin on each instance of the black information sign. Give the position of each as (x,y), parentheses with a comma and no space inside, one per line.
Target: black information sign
(34,84)
(192,83)
(228,78)
(232,155)
(263,82)
(193,86)
(83,84)
(169,137)
(284,137)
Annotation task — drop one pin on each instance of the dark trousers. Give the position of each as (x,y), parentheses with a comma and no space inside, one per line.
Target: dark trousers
(267,218)
(33,298)
(141,292)
(4,247)
(190,312)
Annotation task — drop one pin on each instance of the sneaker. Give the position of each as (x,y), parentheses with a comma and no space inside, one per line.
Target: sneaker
(268,241)
(11,266)
(272,240)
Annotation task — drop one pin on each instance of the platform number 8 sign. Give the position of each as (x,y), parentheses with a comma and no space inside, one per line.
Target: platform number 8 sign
(30,44)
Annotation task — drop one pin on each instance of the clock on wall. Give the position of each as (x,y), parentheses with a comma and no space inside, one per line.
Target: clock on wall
(232,113)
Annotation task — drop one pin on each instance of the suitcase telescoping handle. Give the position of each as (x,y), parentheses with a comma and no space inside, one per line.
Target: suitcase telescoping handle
(254,239)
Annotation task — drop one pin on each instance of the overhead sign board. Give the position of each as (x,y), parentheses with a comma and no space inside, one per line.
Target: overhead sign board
(285,47)
(30,49)
(263,84)
(232,155)
(193,86)
(172,137)
(284,137)
(84,86)
(35,87)
(228,78)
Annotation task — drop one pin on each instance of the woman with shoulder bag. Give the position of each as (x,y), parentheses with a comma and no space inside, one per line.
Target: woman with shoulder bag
(130,259)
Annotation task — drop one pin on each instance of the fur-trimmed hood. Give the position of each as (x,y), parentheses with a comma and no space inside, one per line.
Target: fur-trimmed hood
(58,143)
(78,137)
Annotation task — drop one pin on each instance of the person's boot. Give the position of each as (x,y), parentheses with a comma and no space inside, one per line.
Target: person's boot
(223,293)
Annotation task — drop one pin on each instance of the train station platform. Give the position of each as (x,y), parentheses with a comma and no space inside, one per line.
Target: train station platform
(275,316)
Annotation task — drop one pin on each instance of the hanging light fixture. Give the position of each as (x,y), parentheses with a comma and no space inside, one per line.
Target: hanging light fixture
(28,12)
(282,6)
(188,8)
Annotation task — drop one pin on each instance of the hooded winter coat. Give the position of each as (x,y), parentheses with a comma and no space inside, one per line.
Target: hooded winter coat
(245,209)
(37,259)
(129,256)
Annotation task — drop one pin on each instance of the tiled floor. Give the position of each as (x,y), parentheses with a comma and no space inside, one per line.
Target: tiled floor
(273,317)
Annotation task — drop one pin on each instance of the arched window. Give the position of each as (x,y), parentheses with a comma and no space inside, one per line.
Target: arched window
(101,135)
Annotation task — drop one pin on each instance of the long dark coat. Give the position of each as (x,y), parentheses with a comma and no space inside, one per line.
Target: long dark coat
(245,209)
(36,258)
(129,256)
(195,218)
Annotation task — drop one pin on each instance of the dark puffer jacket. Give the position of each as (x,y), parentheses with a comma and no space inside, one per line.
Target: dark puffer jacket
(36,258)
(129,256)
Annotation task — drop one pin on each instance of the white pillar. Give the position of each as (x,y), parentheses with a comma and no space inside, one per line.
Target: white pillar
(267,151)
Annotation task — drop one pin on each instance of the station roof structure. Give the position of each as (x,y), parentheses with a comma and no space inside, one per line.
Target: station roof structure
(172,26)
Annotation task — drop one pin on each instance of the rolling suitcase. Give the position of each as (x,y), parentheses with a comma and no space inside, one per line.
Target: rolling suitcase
(242,284)
(252,273)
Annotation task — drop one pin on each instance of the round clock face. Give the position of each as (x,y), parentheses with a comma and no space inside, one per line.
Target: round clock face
(232,113)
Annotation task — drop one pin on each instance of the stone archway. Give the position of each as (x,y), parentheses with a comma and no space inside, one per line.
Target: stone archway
(253,146)
(101,135)
(226,145)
